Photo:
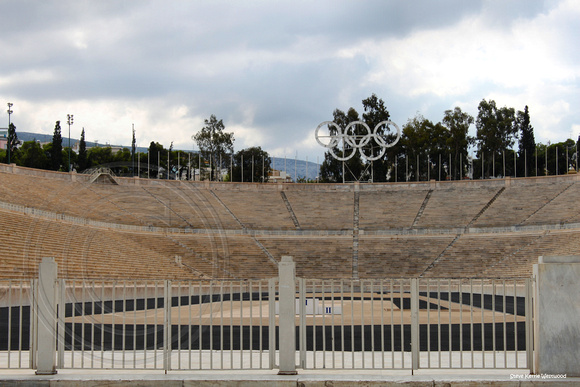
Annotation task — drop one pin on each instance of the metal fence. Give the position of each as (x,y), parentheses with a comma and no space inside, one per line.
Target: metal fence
(232,324)
(415,323)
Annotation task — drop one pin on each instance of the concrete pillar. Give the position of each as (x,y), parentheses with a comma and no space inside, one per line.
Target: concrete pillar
(46,317)
(557,315)
(287,315)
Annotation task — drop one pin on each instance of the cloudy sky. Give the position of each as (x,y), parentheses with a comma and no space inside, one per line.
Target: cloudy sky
(273,70)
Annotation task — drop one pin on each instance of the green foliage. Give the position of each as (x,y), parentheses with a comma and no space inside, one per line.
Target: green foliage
(99,156)
(458,123)
(32,155)
(496,133)
(256,165)
(331,168)
(82,160)
(12,143)
(376,112)
(56,150)
(527,143)
(215,145)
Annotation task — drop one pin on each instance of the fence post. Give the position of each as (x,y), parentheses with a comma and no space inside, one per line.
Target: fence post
(46,315)
(557,313)
(414,324)
(287,309)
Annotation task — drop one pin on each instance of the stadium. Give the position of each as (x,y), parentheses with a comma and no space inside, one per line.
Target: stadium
(167,273)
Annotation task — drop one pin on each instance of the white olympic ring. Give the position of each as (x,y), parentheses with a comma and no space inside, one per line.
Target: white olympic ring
(356,141)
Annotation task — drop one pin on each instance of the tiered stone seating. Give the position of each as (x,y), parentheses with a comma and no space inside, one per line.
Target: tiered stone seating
(389,209)
(224,217)
(519,264)
(315,257)
(472,254)
(455,207)
(263,210)
(562,209)
(231,256)
(81,251)
(517,203)
(398,256)
(323,210)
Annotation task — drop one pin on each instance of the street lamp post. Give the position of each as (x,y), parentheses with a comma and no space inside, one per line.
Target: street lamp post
(8,142)
(69,121)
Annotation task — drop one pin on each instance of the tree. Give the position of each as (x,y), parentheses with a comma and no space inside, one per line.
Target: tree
(156,154)
(376,112)
(32,155)
(215,144)
(82,160)
(13,142)
(56,150)
(256,165)
(423,142)
(133,148)
(527,143)
(458,123)
(100,155)
(496,133)
(332,169)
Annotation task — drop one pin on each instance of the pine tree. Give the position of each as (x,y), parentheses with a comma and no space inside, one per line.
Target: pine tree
(56,150)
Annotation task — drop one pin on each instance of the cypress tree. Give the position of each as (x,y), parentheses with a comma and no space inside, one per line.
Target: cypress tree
(56,151)
(82,159)
(527,142)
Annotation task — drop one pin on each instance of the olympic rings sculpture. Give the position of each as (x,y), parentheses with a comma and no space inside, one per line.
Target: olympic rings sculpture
(355,141)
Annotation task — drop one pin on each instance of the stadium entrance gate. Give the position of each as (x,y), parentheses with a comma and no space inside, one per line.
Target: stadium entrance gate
(282,323)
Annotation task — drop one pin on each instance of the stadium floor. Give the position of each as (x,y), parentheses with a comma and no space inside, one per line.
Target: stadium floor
(269,378)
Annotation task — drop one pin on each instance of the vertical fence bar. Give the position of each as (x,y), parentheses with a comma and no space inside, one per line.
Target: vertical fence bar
(372,324)
(529,326)
(167,325)
(260,299)
(73,325)
(232,325)
(33,337)
(450,319)
(342,333)
(471,322)
(323,324)
(272,323)
(493,290)
(83,314)
(332,311)
(102,324)
(362,319)
(428,323)
(460,291)
(210,297)
(251,324)
(505,326)
(242,324)
(302,321)
(482,325)
(60,323)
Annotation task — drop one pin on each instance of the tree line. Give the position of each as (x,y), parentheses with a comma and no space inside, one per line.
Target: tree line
(215,160)
(428,150)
